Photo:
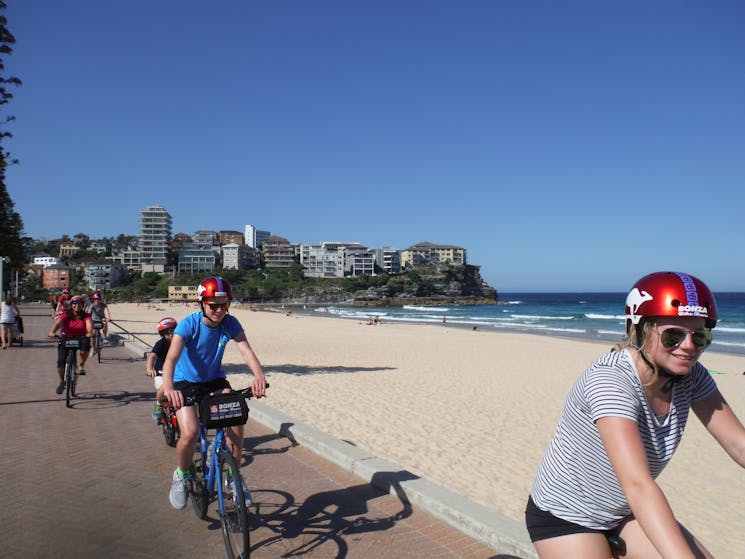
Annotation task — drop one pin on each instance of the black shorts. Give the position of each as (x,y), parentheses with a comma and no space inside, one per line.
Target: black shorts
(543,525)
(62,351)
(195,391)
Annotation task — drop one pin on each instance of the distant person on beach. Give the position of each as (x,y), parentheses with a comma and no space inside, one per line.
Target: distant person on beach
(621,424)
(193,367)
(156,358)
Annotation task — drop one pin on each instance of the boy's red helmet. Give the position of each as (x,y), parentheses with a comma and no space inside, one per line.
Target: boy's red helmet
(166,323)
(670,294)
(214,286)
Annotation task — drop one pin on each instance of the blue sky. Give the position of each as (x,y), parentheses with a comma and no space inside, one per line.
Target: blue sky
(568,146)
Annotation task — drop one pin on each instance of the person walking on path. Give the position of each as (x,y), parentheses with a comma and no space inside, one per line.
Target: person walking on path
(621,424)
(193,369)
(9,313)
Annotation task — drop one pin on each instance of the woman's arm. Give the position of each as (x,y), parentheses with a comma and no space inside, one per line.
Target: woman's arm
(648,503)
(719,419)
(258,384)
(89,327)
(55,326)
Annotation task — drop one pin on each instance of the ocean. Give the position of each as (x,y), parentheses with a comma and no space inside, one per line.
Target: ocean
(596,316)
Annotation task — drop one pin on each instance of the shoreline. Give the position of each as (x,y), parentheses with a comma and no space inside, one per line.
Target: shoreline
(471,411)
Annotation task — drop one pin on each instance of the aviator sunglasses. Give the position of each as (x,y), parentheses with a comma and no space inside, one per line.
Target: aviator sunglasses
(673,337)
(217,306)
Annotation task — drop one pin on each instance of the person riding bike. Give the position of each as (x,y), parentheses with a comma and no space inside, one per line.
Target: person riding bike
(622,421)
(63,303)
(193,369)
(100,313)
(155,359)
(75,323)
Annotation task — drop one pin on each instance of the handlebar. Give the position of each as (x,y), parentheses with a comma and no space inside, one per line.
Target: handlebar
(246,392)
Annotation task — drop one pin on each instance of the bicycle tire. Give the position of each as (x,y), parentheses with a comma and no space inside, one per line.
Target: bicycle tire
(98,345)
(198,493)
(69,382)
(170,427)
(234,515)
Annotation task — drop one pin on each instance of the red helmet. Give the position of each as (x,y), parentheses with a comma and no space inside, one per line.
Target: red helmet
(76,299)
(214,287)
(670,294)
(66,291)
(95,296)
(166,323)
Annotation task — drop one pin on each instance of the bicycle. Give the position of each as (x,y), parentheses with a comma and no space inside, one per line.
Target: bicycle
(169,423)
(215,473)
(97,338)
(71,366)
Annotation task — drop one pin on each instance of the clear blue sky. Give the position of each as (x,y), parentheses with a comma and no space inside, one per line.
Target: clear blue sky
(568,146)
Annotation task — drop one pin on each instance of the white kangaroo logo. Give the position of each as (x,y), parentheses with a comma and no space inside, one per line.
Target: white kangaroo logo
(635,300)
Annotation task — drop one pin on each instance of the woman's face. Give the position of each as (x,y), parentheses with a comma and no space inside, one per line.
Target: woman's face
(685,338)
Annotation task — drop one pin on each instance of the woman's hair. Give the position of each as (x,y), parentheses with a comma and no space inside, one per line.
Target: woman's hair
(637,339)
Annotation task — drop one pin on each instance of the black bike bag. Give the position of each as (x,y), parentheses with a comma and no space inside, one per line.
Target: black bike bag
(223,410)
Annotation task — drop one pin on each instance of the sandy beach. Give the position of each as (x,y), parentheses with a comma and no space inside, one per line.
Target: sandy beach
(469,410)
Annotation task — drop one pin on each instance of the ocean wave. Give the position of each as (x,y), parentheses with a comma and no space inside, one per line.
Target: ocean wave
(729,329)
(594,316)
(425,309)
(539,317)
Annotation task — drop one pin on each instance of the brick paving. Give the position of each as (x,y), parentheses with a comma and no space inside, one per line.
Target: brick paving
(93,480)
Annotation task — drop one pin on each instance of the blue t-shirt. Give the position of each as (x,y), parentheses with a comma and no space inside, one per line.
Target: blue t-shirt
(201,360)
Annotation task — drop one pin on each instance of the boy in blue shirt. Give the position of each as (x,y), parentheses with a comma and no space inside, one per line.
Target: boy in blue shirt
(193,367)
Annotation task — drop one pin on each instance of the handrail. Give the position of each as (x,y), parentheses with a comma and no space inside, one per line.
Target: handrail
(132,336)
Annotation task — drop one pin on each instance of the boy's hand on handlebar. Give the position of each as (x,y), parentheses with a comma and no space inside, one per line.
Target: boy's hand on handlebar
(176,398)
(258,387)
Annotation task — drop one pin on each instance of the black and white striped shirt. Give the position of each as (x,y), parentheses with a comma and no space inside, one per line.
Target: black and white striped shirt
(575,479)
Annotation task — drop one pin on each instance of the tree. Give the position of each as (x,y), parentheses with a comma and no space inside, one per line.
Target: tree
(11,225)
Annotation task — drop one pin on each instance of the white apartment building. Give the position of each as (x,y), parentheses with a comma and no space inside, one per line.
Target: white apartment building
(155,237)
(205,237)
(195,258)
(238,257)
(388,259)
(336,260)
(254,237)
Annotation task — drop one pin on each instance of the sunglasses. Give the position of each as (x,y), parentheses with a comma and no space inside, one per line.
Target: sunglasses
(217,306)
(76,303)
(673,337)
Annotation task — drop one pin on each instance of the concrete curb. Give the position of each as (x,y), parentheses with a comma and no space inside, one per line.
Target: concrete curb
(481,523)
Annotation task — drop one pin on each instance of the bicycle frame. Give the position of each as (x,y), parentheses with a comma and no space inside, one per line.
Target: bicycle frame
(210,451)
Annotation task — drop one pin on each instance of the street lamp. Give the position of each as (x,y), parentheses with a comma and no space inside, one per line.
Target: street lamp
(3,261)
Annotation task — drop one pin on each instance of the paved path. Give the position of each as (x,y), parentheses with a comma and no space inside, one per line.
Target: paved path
(93,480)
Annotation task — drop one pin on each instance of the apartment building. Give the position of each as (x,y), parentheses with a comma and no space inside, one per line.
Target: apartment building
(254,237)
(194,258)
(278,252)
(231,237)
(155,237)
(104,274)
(430,253)
(388,259)
(239,256)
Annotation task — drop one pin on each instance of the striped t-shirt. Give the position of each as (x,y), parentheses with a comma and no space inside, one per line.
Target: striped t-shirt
(575,479)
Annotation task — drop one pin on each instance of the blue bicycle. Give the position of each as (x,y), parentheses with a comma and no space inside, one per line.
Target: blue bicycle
(215,473)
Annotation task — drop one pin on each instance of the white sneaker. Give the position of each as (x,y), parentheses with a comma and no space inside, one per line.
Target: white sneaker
(179,490)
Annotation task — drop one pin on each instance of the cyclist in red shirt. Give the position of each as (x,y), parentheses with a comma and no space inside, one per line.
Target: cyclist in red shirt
(75,323)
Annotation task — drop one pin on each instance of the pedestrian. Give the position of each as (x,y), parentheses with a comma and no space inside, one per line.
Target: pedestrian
(9,314)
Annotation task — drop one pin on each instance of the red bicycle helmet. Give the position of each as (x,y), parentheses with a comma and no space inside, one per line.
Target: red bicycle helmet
(670,294)
(76,299)
(214,286)
(66,291)
(95,297)
(166,323)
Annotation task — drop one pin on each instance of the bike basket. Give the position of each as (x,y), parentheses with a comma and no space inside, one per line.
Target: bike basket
(72,342)
(97,324)
(223,410)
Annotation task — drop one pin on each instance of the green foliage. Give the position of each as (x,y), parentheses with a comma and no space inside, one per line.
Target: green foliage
(11,224)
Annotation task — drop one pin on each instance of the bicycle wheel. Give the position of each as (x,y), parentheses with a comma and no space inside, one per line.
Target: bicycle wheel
(199,496)
(70,379)
(170,426)
(234,516)
(98,345)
